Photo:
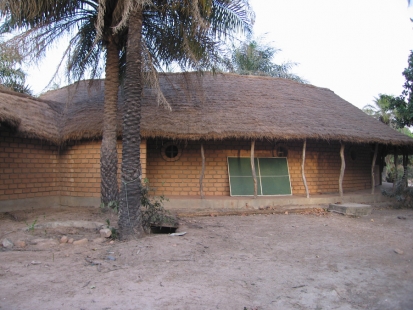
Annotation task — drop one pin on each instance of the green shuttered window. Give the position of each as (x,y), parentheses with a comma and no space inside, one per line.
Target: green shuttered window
(272,176)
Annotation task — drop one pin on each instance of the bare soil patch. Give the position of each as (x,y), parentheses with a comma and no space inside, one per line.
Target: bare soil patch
(316,260)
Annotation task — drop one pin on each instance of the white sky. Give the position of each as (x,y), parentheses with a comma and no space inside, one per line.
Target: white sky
(357,48)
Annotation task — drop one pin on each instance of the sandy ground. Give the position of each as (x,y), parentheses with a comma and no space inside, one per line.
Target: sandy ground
(296,261)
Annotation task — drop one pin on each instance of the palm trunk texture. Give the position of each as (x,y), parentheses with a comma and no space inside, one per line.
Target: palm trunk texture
(108,152)
(130,219)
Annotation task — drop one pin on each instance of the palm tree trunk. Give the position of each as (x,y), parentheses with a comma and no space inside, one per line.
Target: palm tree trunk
(130,219)
(108,152)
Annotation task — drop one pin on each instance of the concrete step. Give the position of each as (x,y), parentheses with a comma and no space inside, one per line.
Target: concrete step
(353,209)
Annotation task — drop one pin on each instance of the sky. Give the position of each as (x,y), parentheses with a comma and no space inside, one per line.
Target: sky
(356,48)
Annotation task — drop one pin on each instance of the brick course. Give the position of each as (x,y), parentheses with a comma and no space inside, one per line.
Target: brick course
(28,168)
(80,168)
(322,166)
(32,168)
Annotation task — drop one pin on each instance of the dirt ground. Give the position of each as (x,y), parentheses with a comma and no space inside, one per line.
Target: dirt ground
(316,260)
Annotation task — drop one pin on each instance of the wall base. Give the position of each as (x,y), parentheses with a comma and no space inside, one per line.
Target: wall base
(29,203)
(184,205)
(239,205)
(69,201)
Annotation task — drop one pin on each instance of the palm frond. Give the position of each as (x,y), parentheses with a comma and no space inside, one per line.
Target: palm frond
(230,16)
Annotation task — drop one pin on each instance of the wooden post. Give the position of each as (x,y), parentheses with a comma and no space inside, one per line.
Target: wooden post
(405,160)
(382,159)
(254,175)
(201,178)
(396,173)
(343,167)
(302,169)
(373,164)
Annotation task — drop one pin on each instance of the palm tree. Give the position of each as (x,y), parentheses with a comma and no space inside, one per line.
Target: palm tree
(42,24)
(254,57)
(130,219)
(381,110)
(204,18)
(167,39)
(174,32)
(12,77)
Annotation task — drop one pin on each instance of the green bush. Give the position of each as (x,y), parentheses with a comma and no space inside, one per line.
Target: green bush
(153,212)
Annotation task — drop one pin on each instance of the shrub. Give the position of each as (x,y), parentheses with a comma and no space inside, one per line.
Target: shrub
(153,212)
(402,193)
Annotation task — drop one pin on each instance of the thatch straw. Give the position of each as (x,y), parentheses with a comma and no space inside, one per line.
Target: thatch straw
(234,106)
(31,117)
(82,109)
(228,106)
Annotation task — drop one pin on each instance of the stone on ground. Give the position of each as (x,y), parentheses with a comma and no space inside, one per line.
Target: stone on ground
(21,244)
(80,242)
(7,243)
(398,251)
(105,233)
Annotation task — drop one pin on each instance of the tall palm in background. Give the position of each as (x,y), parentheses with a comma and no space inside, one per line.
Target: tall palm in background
(254,57)
(381,110)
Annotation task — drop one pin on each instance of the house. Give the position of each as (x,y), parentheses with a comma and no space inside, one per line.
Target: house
(50,146)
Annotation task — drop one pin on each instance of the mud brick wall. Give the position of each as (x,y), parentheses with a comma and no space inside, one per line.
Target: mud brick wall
(32,168)
(80,168)
(179,177)
(28,167)
(322,166)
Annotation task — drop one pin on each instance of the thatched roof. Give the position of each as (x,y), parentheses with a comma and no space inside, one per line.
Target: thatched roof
(82,110)
(31,117)
(227,106)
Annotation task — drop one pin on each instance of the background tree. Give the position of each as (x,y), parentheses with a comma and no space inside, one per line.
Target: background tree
(11,75)
(381,110)
(254,57)
(403,110)
(403,104)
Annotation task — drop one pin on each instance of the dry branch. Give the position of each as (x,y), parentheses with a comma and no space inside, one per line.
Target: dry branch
(254,175)
(302,170)
(373,164)
(343,167)
(201,178)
